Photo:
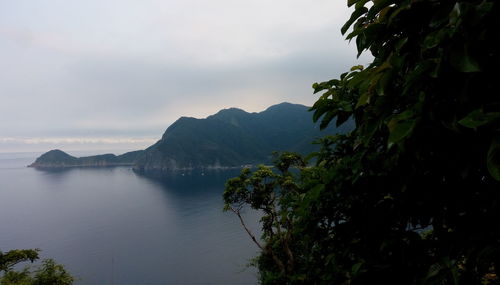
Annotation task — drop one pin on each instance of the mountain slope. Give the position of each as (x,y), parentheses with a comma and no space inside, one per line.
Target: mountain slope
(231,138)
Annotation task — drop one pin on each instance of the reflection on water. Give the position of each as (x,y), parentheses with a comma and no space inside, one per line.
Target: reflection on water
(197,181)
(113,226)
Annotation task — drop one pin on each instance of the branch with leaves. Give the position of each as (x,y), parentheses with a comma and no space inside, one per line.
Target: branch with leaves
(274,194)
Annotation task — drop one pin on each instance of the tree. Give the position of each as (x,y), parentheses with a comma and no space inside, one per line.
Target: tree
(48,273)
(412,194)
(13,257)
(274,194)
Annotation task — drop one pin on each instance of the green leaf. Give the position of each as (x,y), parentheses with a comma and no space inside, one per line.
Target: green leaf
(355,268)
(395,15)
(354,34)
(316,191)
(342,117)
(351,2)
(357,67)
(320,108)
(363,100)
(356,81)
(400,130)
(482,10)
(493,159)
(435,38)
(361,43)
(320,86)
(383,84)
(455,14)
(434,270)
(344,106)
(343,75)
(467,64)
(418,74)
(477,118)
(463,61)
(327,119)
(401,43)
(404,115)
(400,126)
(354,16)
(378,6)
(361,3)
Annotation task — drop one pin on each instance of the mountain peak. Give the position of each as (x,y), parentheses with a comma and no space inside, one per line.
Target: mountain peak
(57,153)
(52,157)
(229,112)
(231,138)
(286,106)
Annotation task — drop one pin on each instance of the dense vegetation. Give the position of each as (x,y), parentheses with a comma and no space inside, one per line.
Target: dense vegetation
(58,158)
(48,273)
(412,194)
(230,138)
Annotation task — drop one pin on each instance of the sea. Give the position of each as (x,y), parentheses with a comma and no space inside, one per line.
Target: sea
(114,226)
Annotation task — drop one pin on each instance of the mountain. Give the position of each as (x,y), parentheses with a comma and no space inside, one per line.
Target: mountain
(230,138)
(57,158)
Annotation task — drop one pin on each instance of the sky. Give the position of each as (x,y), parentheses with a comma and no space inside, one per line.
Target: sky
(114,74)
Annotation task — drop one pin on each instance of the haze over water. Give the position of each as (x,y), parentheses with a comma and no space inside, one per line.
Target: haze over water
(112,226)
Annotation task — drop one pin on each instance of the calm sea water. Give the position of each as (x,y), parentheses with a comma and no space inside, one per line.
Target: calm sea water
(112,226)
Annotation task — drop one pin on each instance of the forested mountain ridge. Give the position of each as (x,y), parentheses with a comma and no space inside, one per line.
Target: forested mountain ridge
(232,138)
(229,138)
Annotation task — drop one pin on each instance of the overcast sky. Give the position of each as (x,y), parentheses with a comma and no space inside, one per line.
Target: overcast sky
(114,74)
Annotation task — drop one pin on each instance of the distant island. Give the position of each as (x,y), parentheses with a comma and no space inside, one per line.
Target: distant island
(59,159)
(229,139)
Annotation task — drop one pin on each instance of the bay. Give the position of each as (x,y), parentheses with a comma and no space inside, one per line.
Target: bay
(113,226)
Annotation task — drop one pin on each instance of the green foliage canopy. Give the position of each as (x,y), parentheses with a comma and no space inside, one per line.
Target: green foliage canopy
(412,194)
(48,273)
(10,258)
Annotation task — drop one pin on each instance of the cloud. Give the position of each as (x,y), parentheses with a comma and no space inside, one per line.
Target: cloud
(94,144)
(78,140)
(103,68)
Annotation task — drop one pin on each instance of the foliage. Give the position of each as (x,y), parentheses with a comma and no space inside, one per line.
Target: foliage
(52,273)
(274,194)
(412,194)
(48,273)
(10,258)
